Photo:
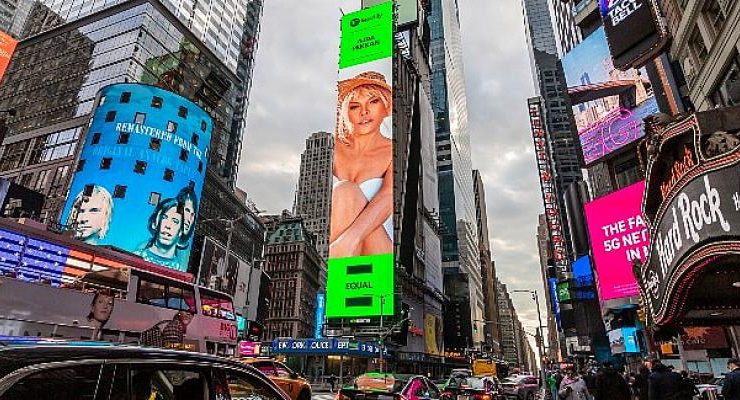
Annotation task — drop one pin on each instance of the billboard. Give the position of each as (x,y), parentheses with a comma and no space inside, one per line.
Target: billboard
(139,177)
(7,47)
(608,104)
(218,274)
(320,312)
(618,236)
(634,31)
(407,11)
(361,263)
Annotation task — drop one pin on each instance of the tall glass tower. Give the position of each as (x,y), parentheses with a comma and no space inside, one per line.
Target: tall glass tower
(454,168)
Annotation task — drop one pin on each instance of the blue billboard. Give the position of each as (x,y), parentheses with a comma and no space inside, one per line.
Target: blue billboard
(140,174)
(320,313)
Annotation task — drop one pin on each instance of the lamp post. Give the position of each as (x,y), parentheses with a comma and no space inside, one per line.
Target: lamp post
(384,334)
(539,338)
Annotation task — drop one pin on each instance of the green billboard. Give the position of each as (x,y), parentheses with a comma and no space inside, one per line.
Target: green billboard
(358,285)
(367,35)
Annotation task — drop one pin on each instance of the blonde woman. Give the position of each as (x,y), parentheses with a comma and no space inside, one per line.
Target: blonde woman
(362,198)
(91,215)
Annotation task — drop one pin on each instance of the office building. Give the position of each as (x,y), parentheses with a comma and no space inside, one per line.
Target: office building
(313,196)
(460,253)
(491,331)
(295,268)
(568,34)
(507,325)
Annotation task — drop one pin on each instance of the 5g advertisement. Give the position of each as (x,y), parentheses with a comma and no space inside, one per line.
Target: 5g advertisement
(360,279)
(140,174)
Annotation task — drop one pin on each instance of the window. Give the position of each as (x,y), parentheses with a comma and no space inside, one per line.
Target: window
(161,294)
(715,15)
(203,126)
(105,163)
(169,382)
(140,167)
(125,97)
(95,138)
(169,175)
(195,139)
(140,118)
(110,116)
(727,92)
(80,165)
(123,137)
(78,382)
(283,371)
(697,46)
(119,192)
(171,126)
(182,112)
(157,102)
(154,198)
(243,386)
(183,155)
(200,166)
(216,305)
(155,144)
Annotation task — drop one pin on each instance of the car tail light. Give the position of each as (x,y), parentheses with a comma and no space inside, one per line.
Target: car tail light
(399,396)
(449,394)
(479,396)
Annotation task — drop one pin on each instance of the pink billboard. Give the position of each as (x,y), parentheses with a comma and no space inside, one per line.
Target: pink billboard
(618,236)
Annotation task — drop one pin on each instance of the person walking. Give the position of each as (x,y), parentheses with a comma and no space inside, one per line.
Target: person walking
(332,382)
(663,384)
(640,385)
(688,387)
(573,387)
(731,386)
(610,384)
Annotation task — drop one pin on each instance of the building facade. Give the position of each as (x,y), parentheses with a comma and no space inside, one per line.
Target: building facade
(313,196)
(295,268)
(568,33)
(454,166)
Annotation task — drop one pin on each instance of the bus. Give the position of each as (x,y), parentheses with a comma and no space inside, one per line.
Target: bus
(53,286)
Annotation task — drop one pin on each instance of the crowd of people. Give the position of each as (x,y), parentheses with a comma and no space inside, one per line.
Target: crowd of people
(660,382)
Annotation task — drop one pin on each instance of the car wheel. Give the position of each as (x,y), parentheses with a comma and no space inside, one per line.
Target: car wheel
(304,395)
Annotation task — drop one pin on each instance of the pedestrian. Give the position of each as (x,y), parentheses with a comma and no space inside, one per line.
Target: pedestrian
(610,384)
(573,387)
(663,384)
(332,382)
(640,384)
(552,385)
(688,387)
(731,386)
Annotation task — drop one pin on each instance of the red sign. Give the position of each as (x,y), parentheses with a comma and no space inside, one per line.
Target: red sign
(549,197)
(704,338)
(7,47)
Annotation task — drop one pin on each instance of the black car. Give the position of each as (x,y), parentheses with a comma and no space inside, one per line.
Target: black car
(103,372)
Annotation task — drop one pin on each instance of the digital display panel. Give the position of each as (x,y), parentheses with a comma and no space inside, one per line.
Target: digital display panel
(360,280)
(140,174)
(599,93)
(618,236)
(632,29)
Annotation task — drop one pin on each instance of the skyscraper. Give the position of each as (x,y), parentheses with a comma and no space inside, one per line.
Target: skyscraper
(313,196)
(568,33)
(460,254)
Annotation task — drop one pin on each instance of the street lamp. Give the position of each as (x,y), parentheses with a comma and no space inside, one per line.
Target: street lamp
(385,334)
(539,338)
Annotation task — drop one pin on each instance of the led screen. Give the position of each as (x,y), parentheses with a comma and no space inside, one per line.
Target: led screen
(604,124)
(140,174)
(361,261)
(618,235)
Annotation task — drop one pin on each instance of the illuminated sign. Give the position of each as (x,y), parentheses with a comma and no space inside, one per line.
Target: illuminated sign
(618,235)
(367,35)
(249,349)
(598,92)
(360,282)
(320,313)
(7,47)
(634,31)
(140,174)
(547,182)
(326,347)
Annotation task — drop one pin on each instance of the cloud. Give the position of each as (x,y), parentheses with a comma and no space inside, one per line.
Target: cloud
(293,96)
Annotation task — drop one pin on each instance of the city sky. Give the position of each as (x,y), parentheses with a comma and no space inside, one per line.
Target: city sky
(293,95)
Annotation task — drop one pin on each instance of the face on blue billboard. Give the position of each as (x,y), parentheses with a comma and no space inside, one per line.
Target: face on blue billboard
(140,174)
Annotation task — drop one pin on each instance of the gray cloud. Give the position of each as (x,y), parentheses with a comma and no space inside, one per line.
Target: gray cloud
(293,95)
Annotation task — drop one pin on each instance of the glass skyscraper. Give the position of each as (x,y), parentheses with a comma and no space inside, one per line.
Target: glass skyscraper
(455,171)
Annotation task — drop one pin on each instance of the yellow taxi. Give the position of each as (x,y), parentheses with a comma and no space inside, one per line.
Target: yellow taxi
(293,384)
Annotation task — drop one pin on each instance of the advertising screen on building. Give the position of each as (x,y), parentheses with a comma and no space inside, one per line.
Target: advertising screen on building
(618,236)
(360,279)
(7,47)
(608,104)
(218,274)
(140,174)
(633,30)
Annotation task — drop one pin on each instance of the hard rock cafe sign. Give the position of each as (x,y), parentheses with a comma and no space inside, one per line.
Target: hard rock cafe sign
(692,206)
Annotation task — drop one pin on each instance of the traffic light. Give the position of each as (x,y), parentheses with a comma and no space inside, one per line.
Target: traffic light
(254,331)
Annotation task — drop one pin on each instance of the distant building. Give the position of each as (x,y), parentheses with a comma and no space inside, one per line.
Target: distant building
(313,196)
(295,268)
(507,325)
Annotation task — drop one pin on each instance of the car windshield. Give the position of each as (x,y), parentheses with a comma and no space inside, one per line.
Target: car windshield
(379,382)
(473,383)
(512,379)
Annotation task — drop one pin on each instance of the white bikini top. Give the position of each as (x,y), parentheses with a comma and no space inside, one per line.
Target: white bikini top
(369,188)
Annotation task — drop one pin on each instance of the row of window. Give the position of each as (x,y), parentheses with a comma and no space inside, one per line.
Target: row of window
(140,119)
(154,144)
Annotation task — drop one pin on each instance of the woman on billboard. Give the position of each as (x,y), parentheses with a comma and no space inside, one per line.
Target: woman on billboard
(362,198)
(166,226)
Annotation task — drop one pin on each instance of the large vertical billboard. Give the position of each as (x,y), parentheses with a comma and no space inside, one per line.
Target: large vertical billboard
(140,174)
(608,104)
(634,30)
(361,263)
(7,47)
(618,236)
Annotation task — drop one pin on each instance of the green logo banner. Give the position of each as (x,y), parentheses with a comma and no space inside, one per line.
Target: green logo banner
(367,35)
(358,285)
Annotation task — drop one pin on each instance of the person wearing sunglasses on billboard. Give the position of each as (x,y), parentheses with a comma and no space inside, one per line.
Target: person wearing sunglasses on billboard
(362,197)
(166,226)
